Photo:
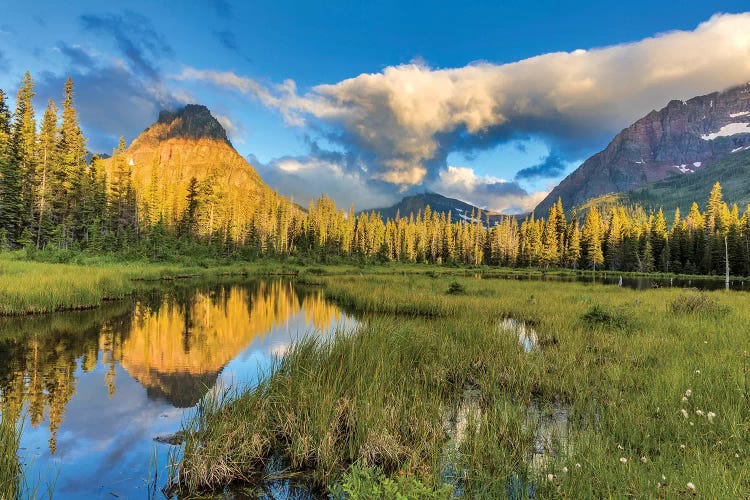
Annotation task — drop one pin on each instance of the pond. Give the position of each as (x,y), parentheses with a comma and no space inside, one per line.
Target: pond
(96,388)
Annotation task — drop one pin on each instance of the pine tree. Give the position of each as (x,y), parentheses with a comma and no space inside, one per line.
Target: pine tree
(44,178)
(71,155)
(7,184)
(16,184)
(122,201)
(714,209)
(591,236)
(573,249)
(23,150)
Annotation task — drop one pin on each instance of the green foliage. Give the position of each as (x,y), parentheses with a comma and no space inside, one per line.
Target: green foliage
(361,482)
(599,315)
(456,288)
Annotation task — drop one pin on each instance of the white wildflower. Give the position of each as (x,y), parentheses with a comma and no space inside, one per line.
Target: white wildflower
(644,459)
(711,415)
(682,446)
(550,477)
(684,399)
(623,460)
(691,487)
(736,455)
(699,413)
(688,393)
(663,477)
(578,466)
(698,372)
(684,412)
(565,470)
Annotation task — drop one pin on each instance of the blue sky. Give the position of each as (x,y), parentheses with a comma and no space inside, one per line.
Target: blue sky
(491,102)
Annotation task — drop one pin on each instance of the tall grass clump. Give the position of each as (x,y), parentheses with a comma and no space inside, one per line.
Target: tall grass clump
(456,288)
(697,303)
(599,315)
(10,467)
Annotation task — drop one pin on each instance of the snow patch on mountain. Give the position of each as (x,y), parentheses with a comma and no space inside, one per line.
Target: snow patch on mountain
(684,169)
(728,130)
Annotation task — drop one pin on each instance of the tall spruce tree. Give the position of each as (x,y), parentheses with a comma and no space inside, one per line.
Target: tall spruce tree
(23,153)
(6,184)
(45,178)
(71,151)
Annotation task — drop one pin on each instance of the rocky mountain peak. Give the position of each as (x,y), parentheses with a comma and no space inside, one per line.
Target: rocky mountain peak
(680,139)
(193,121)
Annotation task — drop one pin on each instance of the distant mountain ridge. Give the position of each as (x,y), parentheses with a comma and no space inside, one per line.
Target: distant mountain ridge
(416,204)
(680,139)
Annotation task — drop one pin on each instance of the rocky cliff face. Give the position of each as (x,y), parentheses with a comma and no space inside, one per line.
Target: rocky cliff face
(680,139)
(191,122)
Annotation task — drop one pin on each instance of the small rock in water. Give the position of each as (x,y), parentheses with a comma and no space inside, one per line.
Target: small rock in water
(172,439)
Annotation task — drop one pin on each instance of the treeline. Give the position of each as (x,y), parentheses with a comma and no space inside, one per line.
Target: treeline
(51,197)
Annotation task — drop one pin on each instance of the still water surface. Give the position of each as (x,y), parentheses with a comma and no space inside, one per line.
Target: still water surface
(94,388)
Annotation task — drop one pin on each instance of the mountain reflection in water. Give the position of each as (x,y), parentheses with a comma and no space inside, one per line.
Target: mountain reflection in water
(95,387)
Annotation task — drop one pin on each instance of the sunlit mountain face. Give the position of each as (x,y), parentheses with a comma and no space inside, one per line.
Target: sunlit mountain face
(138,369)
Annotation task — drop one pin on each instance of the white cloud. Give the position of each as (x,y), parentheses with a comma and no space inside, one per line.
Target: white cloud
(404,121)
(305,179)
(487,192)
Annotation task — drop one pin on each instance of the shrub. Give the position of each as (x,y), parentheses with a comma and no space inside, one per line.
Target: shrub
(370,482)
(598,315)
(456,288)
(697,303)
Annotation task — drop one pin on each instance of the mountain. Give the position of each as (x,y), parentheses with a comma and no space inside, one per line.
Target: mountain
(438,203)
(680,191)
(191,143)
(681,139)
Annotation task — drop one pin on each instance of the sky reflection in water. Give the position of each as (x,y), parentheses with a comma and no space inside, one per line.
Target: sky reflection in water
(97,387)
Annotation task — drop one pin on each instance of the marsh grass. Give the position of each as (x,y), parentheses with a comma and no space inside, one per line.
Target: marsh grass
(10,467)
(372,404)
(30,287)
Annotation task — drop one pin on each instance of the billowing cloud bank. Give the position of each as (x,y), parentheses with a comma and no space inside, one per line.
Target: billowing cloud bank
(403,122)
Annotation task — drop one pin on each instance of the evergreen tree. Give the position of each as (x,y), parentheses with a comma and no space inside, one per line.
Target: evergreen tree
(7,178)
(44,178)
(71,171)
(23,150)
(591,236)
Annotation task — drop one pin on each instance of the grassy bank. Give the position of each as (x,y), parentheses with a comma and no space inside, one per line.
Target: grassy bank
(31,287)
(50,283)
(618,393)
